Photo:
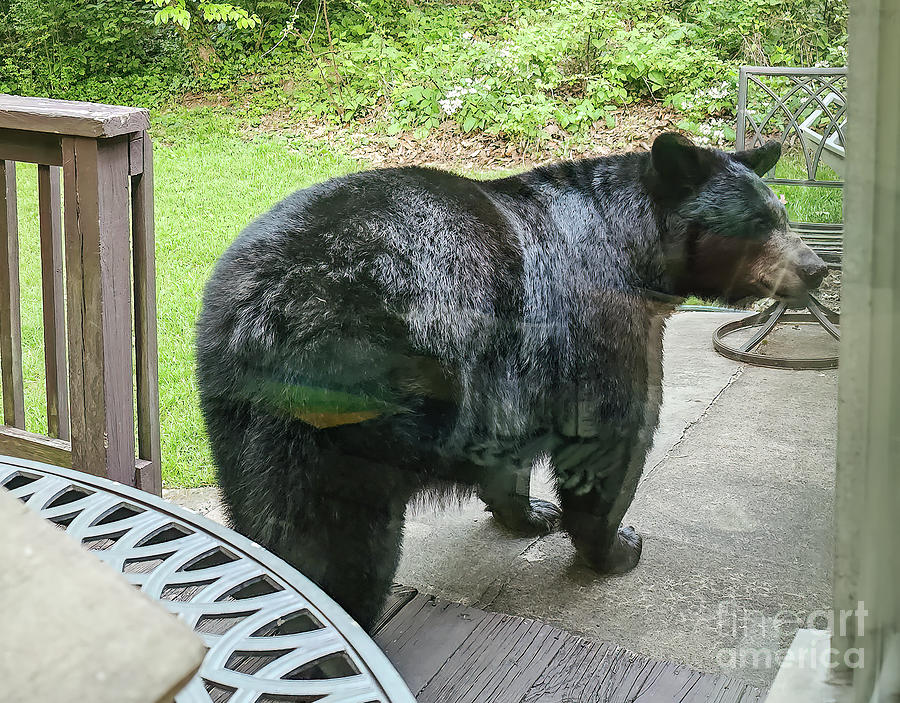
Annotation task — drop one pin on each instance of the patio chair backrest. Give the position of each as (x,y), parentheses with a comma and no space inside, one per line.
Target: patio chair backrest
(805,108)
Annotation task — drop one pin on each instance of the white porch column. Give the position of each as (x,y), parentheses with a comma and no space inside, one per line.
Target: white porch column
(867,553)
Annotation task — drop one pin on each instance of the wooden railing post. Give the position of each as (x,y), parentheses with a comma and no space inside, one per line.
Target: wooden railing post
(106,161)
(10,320)
(144,236)
(99,310)
(53,302)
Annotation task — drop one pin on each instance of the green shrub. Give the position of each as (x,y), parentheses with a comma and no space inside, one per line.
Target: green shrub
(493,65)
(71,48)
(517,67)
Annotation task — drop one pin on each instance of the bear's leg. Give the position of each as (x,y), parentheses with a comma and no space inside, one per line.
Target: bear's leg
(336,517)
(349,546)
(506,491)
(597,482)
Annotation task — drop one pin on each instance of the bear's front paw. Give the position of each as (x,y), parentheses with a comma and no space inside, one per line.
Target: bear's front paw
(541,518)
(622,556)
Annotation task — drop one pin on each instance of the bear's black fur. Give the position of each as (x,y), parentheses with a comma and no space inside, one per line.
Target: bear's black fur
(397,331)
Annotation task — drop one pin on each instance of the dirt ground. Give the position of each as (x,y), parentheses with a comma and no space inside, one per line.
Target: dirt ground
(829,292)
(448,147)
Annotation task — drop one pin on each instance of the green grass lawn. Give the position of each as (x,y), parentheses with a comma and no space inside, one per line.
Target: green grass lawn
(210,183)
(808,204)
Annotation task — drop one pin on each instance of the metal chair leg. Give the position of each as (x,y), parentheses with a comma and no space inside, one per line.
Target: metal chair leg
(773,313)
(766,320)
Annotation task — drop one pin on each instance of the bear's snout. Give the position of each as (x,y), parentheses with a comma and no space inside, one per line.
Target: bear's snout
(811,269)
(788,268)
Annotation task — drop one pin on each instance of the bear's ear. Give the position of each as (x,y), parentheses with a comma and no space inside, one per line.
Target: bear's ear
(762,159)
(679,162)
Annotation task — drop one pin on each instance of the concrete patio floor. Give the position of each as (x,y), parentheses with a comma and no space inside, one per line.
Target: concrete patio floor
(735,507)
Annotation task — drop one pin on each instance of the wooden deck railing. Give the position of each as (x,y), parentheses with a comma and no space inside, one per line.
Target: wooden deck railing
(91,276)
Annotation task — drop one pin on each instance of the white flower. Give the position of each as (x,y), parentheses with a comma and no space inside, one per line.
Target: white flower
(505,51)
(468,36)
(453,100)
(459,91)
(716,92)
(782,198)
(450,105)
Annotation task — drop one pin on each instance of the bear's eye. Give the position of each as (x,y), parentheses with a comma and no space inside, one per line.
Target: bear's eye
(761,226)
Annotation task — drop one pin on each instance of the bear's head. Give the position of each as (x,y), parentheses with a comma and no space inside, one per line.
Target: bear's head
(725,234)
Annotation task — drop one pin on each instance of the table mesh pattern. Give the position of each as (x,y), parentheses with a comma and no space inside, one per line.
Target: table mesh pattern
(266,641)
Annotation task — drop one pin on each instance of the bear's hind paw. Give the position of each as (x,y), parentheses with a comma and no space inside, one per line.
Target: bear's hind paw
(541,518)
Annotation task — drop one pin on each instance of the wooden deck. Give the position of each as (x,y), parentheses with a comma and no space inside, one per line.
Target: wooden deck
(450,653)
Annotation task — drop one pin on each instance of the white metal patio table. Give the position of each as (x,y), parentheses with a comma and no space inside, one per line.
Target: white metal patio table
(273,635)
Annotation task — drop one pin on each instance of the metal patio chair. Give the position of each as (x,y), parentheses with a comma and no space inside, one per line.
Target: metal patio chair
(805,110)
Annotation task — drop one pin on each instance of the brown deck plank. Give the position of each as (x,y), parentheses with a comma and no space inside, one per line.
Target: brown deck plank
(450,653)
(398,597)
(498,662)
(587,672)
(423,635)
(571,672)
(718,688)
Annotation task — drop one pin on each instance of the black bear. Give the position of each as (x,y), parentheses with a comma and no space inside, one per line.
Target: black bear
(406,330)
